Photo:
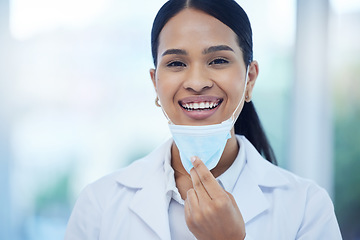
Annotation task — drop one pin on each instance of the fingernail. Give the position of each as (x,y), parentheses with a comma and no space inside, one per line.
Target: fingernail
(192,159)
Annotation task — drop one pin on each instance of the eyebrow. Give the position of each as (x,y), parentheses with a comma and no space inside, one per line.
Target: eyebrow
(206,51)
(217,48)
(174,51)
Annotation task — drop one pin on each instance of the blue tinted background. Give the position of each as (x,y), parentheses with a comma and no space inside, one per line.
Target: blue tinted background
(77,102)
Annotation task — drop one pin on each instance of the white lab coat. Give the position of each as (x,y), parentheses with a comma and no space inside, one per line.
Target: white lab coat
(131,203)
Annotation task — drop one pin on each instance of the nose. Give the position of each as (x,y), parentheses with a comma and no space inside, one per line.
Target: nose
(197,80)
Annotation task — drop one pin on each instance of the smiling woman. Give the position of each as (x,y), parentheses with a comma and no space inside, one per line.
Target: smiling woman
(210,181)
(193,65)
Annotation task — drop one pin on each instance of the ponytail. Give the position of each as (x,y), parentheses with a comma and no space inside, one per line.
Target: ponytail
(249,125)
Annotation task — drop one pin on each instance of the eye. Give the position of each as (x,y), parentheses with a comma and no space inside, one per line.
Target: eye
(176,64)
(219,61)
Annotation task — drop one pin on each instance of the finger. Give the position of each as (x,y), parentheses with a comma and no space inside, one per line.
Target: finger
(190,209)
(208,181)
(233,201)
(187,209)
(200,190)
(191,202)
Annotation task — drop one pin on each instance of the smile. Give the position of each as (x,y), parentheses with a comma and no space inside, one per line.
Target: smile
(200,103)
(199,106)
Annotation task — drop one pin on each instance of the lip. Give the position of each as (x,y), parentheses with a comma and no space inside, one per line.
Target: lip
(203,113)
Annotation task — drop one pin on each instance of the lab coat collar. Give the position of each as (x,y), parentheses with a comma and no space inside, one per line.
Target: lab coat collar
(137,174)
(150,198)
(150,201)
(256,174)
(151,205)
(263,172)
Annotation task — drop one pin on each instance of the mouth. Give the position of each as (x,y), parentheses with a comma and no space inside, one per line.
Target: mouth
(201,106)
(200,103)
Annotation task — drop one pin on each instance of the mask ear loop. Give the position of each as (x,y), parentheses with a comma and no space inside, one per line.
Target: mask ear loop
(167,117)
(242,97)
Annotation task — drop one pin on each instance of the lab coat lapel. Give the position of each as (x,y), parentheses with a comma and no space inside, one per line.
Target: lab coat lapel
(151,206)
(257,173)
(249,197)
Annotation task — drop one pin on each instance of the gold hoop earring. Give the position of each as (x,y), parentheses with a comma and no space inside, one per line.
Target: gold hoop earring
(157,102)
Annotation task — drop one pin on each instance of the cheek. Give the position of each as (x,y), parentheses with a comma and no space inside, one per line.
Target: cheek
(232,83)
(167,88)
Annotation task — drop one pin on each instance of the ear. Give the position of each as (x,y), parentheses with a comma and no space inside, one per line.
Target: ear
(252,76)
(153,77)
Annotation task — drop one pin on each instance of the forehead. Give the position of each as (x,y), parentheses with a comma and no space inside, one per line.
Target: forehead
(194,28)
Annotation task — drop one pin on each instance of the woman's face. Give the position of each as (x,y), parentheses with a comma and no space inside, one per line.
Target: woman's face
(200,73)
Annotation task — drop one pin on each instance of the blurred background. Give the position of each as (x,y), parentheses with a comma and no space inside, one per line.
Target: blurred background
(77,102)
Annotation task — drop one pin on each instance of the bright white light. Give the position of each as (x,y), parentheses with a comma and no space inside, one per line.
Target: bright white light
(30,17)
(342,6)
(282,21)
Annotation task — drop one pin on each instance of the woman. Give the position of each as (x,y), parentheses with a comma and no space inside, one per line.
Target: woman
(206,182)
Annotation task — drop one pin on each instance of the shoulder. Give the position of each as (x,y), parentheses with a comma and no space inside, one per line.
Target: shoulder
(134,175)
(296,202)
(102,202)
(270,175)
(282,185)
(122,182)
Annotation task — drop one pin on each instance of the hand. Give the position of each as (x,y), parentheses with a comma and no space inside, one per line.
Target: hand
(210,211)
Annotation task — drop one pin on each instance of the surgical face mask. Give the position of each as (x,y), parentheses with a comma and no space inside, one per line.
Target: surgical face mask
(206,142)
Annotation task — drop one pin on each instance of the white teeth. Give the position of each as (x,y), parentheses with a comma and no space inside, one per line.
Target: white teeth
(200,106)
